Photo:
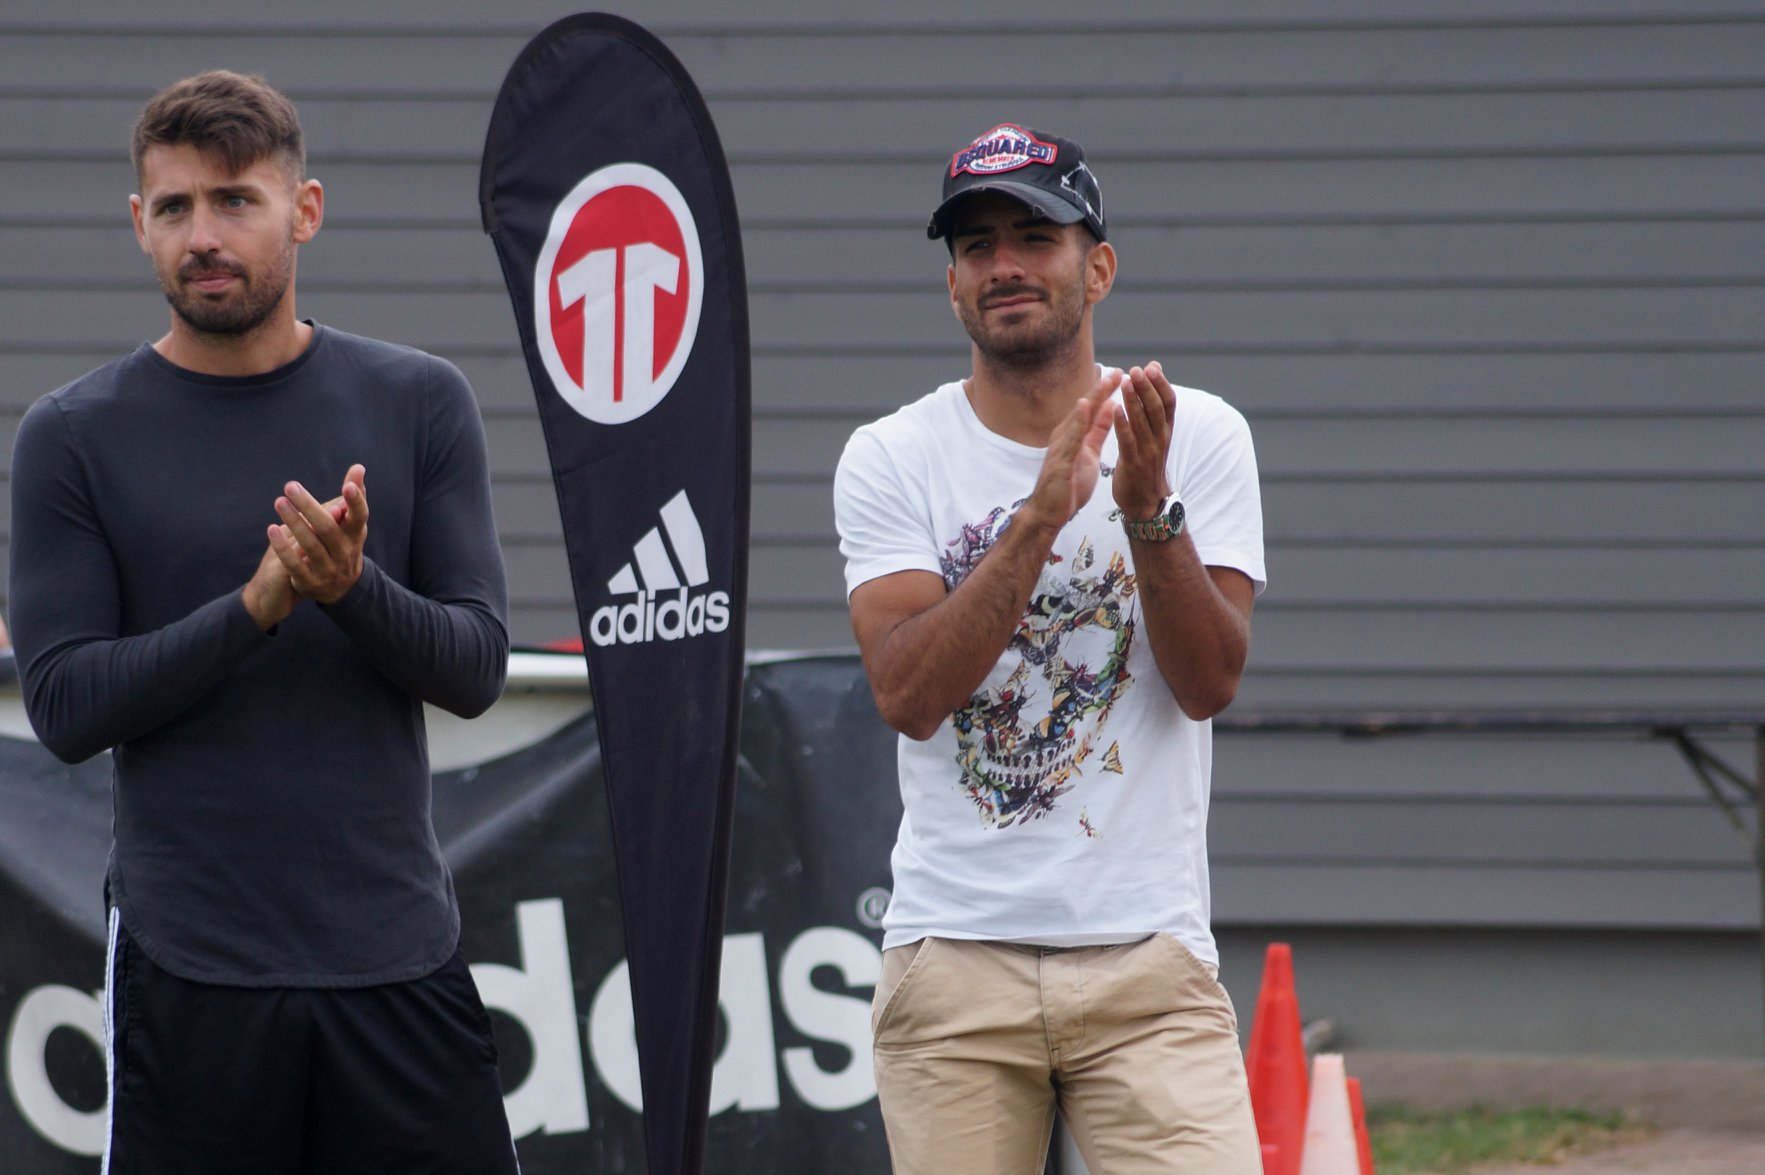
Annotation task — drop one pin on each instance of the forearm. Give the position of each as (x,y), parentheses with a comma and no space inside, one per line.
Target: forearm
(89,683)
(85,696)
(1199,638)
(454,655)
(931,663)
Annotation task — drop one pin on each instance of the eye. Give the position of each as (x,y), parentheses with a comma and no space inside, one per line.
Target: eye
(171,208)
(235,201)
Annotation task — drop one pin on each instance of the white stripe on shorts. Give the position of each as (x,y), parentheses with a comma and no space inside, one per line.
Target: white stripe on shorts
(116,922)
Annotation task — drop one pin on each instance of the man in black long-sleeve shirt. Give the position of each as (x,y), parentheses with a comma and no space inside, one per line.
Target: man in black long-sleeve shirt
(284,988)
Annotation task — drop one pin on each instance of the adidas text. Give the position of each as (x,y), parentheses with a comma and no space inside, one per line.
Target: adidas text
(667,616)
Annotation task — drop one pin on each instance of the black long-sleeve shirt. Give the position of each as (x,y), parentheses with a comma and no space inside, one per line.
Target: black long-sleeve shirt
(271,789)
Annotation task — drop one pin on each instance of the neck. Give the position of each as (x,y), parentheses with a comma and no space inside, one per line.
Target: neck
(278,340)
(1025,404)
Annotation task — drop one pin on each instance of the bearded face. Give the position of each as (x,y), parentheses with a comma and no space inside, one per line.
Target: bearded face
(241,306)
(222,239)
(1018,281)
(1027,323)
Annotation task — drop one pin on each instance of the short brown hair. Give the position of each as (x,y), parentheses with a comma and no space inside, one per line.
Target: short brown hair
(238,118)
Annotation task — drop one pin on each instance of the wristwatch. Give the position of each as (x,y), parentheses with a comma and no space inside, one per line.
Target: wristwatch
(1166,524)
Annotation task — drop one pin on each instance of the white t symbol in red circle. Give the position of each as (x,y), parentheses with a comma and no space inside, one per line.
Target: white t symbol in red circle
(617,291)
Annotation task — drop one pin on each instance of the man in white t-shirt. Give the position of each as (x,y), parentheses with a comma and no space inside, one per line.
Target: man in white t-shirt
(1051,566)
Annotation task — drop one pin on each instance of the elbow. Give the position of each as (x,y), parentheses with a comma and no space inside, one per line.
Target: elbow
(479,695)
(471,705)
(922,729)
(73,753)
(479,689)
(68,740)
(906,715)
(1211,684)
(1201,707)
(1204,700)
(66,743)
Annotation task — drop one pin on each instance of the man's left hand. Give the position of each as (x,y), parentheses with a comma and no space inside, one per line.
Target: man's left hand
(320,547)
(1143,442)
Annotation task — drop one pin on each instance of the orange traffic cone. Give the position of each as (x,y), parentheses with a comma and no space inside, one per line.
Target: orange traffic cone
(1363,1142)
(1329,1123)
(1275,1064)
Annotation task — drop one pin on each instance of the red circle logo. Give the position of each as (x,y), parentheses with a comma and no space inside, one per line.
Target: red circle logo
(618,289)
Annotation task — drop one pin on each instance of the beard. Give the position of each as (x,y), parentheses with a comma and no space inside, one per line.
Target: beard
(240,311)
(1026,346)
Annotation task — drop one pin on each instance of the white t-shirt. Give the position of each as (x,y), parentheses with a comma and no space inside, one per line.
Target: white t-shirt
(1066,804)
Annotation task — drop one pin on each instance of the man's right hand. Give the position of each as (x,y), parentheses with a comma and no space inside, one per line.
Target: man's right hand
(269,595)
(1070,469)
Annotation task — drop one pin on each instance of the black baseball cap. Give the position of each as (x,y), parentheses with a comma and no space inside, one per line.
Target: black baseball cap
(1045,171)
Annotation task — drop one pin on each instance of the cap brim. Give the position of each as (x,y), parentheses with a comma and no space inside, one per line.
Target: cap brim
(1039,199)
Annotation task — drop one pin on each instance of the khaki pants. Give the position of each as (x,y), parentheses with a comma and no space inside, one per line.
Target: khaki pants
(978,1043)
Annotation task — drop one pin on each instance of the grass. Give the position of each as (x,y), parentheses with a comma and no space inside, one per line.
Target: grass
(1447,1142)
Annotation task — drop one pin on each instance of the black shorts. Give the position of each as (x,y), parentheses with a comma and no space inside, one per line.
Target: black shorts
(300,1081)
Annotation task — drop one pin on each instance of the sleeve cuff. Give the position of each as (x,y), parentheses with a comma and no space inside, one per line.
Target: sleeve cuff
(240,626)
(359,599)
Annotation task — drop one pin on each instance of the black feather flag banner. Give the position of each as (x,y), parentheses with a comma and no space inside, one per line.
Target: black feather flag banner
(605,190)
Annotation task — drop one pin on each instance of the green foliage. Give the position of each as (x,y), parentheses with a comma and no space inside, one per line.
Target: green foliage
(1447,1142)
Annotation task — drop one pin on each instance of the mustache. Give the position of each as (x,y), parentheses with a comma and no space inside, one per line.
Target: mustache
(1016,290)
(209,267)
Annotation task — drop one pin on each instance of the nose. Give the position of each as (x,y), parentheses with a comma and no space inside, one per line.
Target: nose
(1006,260)
(204,231)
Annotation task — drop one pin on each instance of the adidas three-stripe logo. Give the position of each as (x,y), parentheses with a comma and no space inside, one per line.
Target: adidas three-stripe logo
(651,554)
(662,575)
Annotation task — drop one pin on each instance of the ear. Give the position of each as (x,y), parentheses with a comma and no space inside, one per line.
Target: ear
(950,280)
(135,214)
(1099,272)
(309,210)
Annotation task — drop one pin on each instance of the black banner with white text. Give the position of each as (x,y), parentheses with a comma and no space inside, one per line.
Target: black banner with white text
(528,838)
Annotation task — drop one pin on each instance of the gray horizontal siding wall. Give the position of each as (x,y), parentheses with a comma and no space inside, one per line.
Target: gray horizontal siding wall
(1488,280)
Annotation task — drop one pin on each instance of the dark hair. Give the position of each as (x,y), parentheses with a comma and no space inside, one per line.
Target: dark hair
(238,118)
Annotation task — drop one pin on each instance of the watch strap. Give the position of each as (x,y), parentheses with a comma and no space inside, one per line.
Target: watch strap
(1167,524)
